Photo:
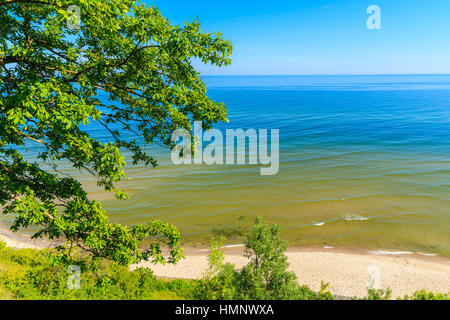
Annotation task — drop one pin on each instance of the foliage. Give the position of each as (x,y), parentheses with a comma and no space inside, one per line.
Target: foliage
(324,292)
(266,275)
(219,280)
(378,294)
(30,274)
(126,69)
(216,259)
(426,295)
(381,294)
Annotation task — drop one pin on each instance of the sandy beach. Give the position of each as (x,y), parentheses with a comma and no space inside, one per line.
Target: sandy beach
(347,271)
(22,241)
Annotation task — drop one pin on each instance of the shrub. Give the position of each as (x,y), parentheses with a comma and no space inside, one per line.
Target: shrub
(265,277)
(36,274)
(377,294)
(425,295)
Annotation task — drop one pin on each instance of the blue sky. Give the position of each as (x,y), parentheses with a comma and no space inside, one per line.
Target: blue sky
(323,36)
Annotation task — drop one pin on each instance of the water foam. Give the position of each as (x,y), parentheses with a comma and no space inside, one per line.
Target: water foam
(355,218)
(384,252)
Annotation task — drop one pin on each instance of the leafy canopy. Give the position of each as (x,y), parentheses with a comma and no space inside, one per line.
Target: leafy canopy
(127,69)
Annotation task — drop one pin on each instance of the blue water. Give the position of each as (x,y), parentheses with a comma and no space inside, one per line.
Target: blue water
(352,148)
(364,161)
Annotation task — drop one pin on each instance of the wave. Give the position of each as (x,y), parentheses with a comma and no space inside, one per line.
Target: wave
(385,252)
(228,246)
(427,254)
(355,218)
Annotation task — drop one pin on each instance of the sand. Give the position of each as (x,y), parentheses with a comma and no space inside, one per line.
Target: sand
(22,241)
(347,271)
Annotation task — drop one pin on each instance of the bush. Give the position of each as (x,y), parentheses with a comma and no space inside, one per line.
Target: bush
(425,295)
(33,274)
(265,277)
(377,294)
(219,279)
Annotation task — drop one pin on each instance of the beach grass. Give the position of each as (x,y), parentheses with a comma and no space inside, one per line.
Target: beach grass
(29,274)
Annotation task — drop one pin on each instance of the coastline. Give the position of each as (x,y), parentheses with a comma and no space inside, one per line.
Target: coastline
(345,269)
(23,241)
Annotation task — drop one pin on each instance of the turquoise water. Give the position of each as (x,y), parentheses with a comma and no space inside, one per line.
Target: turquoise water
(364,162)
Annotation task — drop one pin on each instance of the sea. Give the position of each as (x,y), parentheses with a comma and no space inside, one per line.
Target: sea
(364,162)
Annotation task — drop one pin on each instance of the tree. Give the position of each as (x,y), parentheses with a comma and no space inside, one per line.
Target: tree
(123,67)
(264,277)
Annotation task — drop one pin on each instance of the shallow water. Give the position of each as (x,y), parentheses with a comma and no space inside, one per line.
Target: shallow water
(364,162)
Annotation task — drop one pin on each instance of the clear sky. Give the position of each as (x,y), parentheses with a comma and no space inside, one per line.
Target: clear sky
(294,37)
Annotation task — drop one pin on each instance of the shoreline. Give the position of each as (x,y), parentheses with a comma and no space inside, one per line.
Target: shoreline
(345,269)
(24,241)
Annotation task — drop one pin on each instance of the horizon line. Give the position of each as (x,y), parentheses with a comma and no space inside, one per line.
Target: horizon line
(322,75)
